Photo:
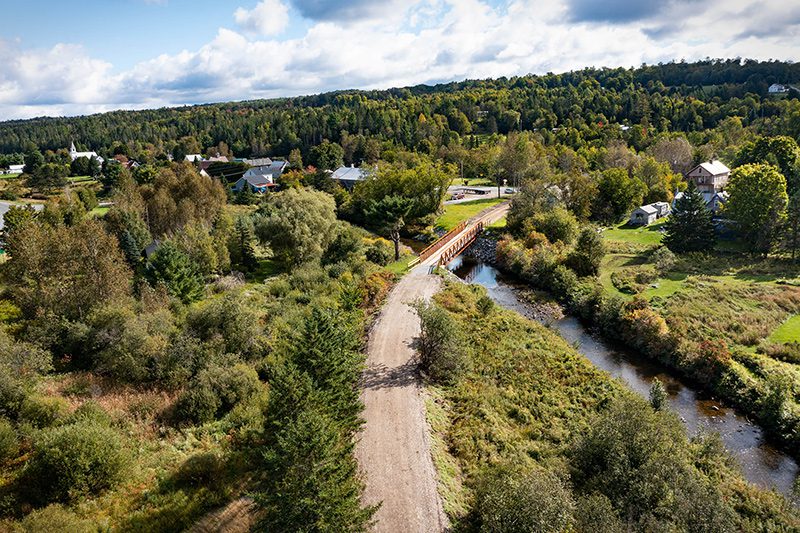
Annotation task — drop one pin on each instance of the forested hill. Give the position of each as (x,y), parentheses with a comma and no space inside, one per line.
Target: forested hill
(571,108)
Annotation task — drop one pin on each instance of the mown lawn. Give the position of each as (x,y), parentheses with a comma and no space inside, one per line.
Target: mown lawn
(647,235)
(789,331)
(456,213)
(400,266)
(473,182)
(99,211)
(9,176)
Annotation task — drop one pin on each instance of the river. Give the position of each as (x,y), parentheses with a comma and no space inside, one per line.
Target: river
(761,463)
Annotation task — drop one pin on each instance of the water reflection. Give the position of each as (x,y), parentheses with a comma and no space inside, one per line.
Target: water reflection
(761,463)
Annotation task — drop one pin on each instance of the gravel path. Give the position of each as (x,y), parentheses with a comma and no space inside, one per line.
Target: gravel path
(394,449)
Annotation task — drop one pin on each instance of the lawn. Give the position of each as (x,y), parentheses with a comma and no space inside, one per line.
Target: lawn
(9,176)
(647,235)
(400,266)
(99,212)
(457,213)
(789,331)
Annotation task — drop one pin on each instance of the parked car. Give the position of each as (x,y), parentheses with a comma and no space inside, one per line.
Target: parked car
(457,196)
(509,190)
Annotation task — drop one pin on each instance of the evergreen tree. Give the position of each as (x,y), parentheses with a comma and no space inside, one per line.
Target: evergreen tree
(313,482)
(792,229)
(177,272)
(327,351)
(658,394)
(589,251)
(133,255)
(242,244)
(690,228)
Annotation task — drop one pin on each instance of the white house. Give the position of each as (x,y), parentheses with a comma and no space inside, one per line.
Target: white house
(644,215)
(15,169)
(777,88)
(714,200)
(348,176)
(710,176)
(74,154)
(193,158)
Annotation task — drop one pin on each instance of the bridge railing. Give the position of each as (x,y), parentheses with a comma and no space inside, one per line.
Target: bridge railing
(437,245)
(459,245)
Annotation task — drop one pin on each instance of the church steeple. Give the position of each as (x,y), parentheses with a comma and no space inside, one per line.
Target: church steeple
(72,149)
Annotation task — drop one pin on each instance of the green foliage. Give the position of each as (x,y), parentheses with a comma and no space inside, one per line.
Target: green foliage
(523,501)
(346,246)
(689,227)
(658,395)
(297,224)
(8,441)
(47,177)
(33,160)
(177,272)
(60,270)
(87,197)
(215,391)
(312,479)
(780,151)
(617,194)
(641,461)
(557,224)
(76,460)
(55,517)
(442,355)
(326,156)
(380,252)
(228,320)
(588,254)
(758,204)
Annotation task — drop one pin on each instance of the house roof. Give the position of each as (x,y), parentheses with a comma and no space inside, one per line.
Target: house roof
(715,167)
(259,162)
(193,157)
(258,180)
(649,209)
(349,174)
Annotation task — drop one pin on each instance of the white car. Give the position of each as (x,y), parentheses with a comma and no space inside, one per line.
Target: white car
(509,190)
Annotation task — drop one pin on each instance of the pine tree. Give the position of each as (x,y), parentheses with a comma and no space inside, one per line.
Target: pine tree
(177,272)
(658,394)
(327,351)
(133,255)
(690,227)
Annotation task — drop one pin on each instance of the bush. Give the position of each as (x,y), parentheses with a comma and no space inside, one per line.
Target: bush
(88,198)
(55,518)
(380,252)
(8,440)
(75,460)
(215,391)
(557,224)
(516,501)
(588,254)
(12,395)
(43,411)
(485,305)
(664,259)
(440,347)
(90,412)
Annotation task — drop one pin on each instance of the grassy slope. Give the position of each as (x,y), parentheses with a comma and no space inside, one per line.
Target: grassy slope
(456,213)
(789,331)
(527,396)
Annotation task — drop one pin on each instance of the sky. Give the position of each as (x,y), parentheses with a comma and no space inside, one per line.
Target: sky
(87,56)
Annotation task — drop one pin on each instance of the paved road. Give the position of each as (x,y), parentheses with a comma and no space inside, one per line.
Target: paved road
(393,451)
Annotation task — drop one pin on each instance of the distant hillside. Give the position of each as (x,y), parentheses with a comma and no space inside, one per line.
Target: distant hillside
(666,97)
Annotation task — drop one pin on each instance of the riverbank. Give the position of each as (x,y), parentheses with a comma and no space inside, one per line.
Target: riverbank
(529,401)
(636,325)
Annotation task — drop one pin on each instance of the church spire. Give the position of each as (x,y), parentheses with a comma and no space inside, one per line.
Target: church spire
(72,149)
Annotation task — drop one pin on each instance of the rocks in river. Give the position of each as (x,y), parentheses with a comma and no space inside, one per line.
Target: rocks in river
(483,249)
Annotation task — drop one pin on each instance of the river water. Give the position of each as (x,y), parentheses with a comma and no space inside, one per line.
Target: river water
(761,463)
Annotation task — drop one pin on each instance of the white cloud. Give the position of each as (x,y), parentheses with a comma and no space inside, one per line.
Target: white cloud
(269,17)
(429,41)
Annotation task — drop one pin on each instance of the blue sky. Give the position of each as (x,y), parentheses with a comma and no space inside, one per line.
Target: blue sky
(85,56)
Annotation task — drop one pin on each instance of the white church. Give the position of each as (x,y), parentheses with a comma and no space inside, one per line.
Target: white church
(74,154)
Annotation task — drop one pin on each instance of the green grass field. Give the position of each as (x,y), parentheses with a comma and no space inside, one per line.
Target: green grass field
(99,211)
(457,213)
(789,331)
(400,266)
(9,176)
(474,182)
(647,235)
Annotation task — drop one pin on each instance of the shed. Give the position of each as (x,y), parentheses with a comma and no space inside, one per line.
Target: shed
(644,215)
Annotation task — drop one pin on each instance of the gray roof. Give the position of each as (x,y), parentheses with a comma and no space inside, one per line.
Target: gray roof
(260,162)
(649,209)
(259,180)
(349,174)
(715,168)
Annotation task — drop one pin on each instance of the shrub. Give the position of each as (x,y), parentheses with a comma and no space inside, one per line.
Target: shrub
(376,287)
(439,343)
(512,501)
(232,321)
(586,257)
(215,391)
(90,412)
(12,395)
(43,411)
(56,518)
(76,460)
(88,198)
(557,224)
(380,252)
(8,440)
(664,259)
(485,305)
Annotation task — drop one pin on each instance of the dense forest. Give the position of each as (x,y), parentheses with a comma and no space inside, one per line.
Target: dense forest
(571,108)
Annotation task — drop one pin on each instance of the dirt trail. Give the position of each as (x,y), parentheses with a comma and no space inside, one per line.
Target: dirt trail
(393,451)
